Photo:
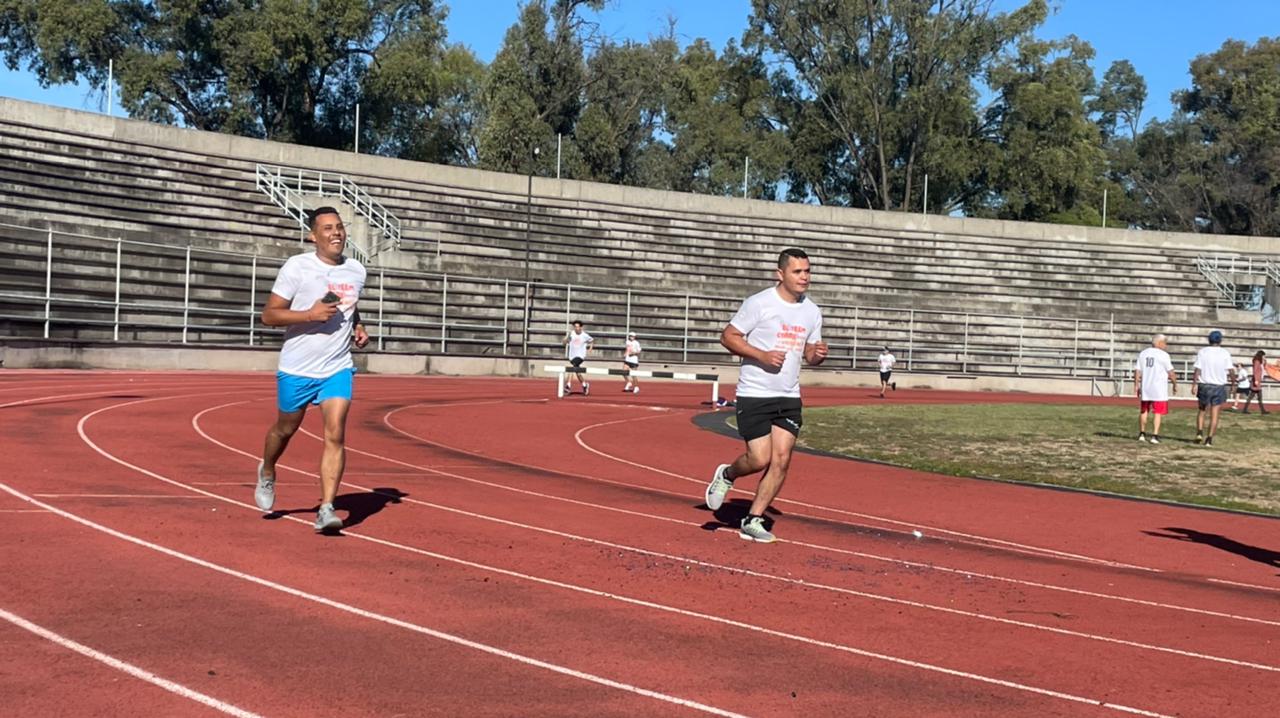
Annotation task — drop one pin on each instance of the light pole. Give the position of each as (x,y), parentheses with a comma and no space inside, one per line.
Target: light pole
(528,225)
(528,212)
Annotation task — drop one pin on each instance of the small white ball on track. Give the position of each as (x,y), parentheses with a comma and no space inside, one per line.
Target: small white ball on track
(917,534)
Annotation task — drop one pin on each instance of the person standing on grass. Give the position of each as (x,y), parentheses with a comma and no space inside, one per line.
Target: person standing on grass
(576,344)
(1240,388)
(886,361)
(314,298)
(1255,382)
(631,360)
(1214,370)
(1152,375)
(773,331)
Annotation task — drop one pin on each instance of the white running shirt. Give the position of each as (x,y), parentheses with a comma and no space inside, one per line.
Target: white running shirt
(318,349)
(633,351)
(886,362)
(578,345)
(773,324)
(1155,366)
(1214,363)
(1244,380)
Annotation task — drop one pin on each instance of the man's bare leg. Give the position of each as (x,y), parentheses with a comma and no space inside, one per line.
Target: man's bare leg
(334,459)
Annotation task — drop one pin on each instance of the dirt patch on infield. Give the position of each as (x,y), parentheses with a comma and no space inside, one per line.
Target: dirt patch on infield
(1080,446)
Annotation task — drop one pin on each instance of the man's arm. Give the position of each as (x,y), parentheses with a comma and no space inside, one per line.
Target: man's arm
(815,353)
(358,332)
(1137,383)
(1173,379)
(276,312)
(736,342)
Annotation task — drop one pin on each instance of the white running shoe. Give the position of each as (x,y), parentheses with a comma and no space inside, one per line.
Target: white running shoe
(326,519)
(753,530)
(718,487)
(264,494)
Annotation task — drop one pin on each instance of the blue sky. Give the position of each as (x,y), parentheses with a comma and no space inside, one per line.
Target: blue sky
(1160,37)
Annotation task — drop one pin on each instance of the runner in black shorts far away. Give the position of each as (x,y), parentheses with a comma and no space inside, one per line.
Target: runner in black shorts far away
(773,331)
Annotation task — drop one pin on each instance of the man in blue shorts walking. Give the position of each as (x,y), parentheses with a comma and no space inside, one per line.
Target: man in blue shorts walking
(314,297)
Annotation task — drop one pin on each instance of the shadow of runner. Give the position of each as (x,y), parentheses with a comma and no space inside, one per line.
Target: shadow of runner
(1134,437)
(363,505)
(358,506)
(1222,543)
(733,511)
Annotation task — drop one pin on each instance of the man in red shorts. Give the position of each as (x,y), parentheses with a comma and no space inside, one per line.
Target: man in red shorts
(1152,375)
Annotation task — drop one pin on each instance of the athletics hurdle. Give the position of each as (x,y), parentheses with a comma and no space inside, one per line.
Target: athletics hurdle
(560,371)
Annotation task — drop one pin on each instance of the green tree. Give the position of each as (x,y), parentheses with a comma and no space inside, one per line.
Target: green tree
(1050,160)
(1234,102)
(871,89)
(536,85)
(718,113)
(1120,99)
(281,69)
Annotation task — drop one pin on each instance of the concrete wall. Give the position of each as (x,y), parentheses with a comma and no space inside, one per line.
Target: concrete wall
(36,354)
(589,193)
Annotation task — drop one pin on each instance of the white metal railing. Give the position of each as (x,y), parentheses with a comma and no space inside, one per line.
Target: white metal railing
(288,185)
(69,277)
(1215,269)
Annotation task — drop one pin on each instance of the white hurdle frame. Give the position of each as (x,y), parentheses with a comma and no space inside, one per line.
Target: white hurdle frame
(560,371)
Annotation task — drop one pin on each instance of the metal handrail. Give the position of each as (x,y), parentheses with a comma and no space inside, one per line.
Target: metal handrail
(286,185)
(1209,269)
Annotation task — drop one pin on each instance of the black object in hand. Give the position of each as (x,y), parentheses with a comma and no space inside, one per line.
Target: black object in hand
(330,298)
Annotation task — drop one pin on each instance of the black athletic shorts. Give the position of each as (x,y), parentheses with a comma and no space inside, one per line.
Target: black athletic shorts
(632,364)
(884,375)
(576,361)
(758,415)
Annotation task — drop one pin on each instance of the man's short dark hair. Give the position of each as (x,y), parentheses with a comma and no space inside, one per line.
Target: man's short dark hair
(314,213)
(577,322)
(786,255)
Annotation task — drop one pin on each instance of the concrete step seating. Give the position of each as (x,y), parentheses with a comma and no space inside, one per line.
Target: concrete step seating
(171,186)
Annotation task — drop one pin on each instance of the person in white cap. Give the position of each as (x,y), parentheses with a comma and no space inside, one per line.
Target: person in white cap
(631,360)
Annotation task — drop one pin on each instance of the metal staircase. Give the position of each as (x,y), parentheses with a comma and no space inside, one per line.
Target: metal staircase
(289,188)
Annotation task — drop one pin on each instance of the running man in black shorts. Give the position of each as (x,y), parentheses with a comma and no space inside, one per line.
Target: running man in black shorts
(773,331)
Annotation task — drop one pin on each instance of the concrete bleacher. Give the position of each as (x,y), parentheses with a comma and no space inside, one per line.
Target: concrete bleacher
(947,295)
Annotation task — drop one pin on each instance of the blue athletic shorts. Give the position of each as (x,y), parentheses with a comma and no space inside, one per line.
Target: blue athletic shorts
(293,392)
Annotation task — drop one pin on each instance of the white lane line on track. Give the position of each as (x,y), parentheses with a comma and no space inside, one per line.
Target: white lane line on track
(729,569)
(580,589)
(139,673)
(820,547)
(1245,585)
(871,517)
(756,574)
(116,496)
(348,608)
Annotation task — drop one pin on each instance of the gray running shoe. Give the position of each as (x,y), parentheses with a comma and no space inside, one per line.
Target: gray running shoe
(326,519)
(1155,439)
(718,487)
(753,530)
(264,495)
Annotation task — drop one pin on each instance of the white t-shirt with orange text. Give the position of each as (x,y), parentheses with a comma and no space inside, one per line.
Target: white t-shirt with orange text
(773,324)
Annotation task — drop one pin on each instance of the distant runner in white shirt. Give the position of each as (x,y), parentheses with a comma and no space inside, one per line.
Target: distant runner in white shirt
(631,360)
(1214,370)
(886,362)
(314,297)
(1241,387)
(1152,375)
(773,331)
(576,344)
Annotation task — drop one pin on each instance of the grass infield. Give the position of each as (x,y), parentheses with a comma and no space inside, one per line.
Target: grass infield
(1076,445)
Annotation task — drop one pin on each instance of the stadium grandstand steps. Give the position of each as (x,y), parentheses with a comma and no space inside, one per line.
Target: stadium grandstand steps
(948,302)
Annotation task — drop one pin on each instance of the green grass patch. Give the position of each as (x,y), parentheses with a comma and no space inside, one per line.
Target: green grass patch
(1076,445)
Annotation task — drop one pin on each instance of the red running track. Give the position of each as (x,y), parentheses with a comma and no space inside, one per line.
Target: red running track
(511,554)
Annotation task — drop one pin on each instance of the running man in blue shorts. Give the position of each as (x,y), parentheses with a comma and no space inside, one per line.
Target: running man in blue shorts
(314,297)
(774,331)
